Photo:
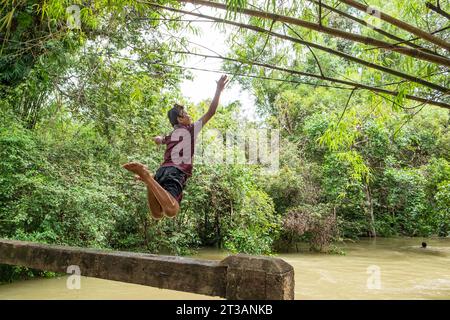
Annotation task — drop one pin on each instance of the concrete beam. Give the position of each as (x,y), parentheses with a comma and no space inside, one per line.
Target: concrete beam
(235,277)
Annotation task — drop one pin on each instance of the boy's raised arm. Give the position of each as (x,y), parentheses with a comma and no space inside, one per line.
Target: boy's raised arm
(215,102)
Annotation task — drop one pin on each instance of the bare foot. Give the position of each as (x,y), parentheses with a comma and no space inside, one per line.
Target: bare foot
(139,169)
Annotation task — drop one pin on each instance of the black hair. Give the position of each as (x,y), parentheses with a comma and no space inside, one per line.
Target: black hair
(174,113)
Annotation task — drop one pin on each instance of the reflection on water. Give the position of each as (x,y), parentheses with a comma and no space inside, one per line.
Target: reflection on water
(380,269)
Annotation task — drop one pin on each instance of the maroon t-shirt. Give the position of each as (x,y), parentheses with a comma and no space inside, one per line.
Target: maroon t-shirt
(180,147)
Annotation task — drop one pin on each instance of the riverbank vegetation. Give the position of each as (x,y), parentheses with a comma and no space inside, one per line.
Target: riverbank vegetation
(75,104)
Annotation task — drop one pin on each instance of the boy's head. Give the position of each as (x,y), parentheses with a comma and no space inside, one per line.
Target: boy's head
(177,115)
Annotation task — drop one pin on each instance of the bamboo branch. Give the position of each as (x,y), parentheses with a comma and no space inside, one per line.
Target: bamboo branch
(309,48)
(380,31)
(313,45)
(266,42)
(400,24)
(320,12)
(346,106)
(331,31)
(437,10)
(226,72)
(416,38)
(355,85)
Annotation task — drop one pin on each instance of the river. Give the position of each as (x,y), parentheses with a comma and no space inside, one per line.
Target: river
(370,269)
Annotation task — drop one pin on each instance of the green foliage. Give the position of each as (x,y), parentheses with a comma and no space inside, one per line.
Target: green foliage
(254,227)
(316,224)
(285,188)
(442,198)
(374,159)
(41,201)
(406,199)
(13,273)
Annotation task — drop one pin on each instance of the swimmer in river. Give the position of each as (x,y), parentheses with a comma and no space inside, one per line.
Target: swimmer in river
(424,245)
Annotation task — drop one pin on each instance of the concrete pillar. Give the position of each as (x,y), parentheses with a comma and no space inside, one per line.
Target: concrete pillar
(260,278)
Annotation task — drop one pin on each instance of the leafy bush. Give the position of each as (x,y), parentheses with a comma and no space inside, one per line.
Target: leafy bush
(442,198)
(408,206)
(317,224)
(255,226)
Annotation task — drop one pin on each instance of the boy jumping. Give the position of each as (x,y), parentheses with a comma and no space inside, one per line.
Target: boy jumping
(165,189)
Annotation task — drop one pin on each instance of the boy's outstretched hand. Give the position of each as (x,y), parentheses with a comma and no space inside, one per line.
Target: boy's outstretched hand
(222,82)
(158,140)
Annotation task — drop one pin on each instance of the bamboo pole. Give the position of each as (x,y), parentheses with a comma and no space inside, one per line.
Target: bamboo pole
(400,24)
(331,31)
(312,75)
(368,25)
(313,45)
(437,10)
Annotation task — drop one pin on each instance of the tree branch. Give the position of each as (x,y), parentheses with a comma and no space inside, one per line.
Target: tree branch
(313,45)
(380,31)
(320,12)
(331,31)
(311,50)
(346,106)
(437,10)
(311,75)
(400,24)
(266,42)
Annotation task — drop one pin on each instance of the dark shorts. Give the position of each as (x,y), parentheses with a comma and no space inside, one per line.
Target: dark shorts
(173,180)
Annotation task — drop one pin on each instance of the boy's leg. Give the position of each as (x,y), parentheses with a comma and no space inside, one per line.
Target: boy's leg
(169,205)
(155,207)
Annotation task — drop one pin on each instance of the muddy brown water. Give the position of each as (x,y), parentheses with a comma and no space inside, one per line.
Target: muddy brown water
(370,269)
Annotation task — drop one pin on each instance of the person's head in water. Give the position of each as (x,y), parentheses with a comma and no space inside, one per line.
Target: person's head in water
(424,244)
(178,116)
